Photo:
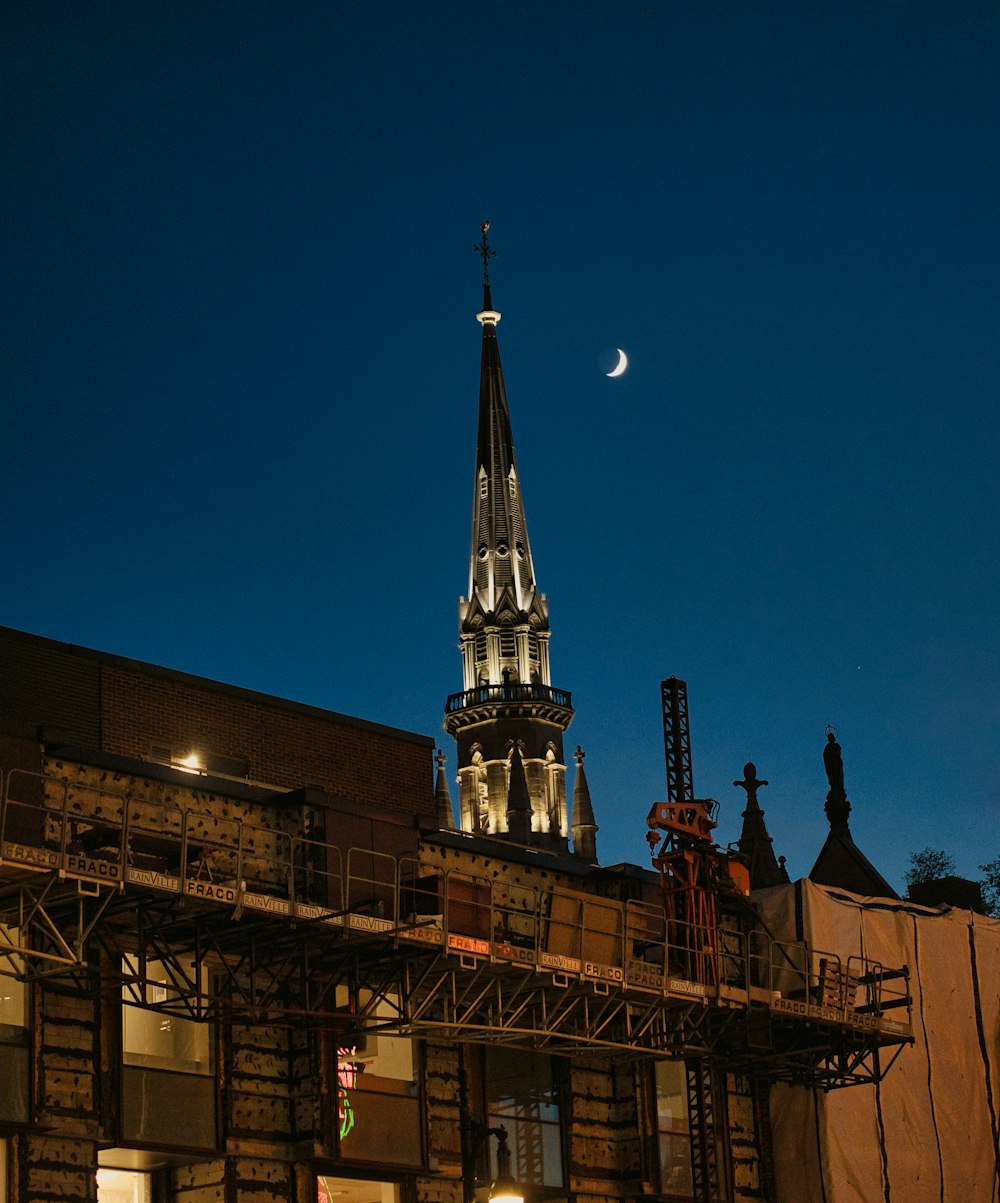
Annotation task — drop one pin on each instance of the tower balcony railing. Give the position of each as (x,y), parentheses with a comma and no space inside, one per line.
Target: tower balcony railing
(484,695)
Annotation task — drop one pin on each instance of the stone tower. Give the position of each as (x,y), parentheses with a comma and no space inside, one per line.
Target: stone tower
(508,721)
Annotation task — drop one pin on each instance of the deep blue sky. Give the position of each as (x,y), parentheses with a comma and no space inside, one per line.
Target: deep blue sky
(240,370)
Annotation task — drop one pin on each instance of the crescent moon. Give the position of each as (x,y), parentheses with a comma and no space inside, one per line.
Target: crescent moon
(621,365)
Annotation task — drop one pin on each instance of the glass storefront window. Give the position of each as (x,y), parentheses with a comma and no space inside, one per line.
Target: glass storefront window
(521,1096)
(123,1186)
(159,1036)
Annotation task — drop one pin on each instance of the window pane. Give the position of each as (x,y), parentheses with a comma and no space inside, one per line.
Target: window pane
(675,1164)
(14,1069)
(354,1190)
(381,1127)
(12,1001)
(535,1153)
(162,1038)
(14,1052)
(168,1109)
(674,1128)
(521,1097)
(377,1093)
(123,1186)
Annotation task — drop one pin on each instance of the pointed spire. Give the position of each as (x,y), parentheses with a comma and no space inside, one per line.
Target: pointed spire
(507,694)
(500,555)
(445,815)
(518,799)
(754,841)
(583,828)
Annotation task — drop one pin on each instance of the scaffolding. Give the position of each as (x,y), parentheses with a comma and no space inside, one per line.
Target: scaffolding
(257,925)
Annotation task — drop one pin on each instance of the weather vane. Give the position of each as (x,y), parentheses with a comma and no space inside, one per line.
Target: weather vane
(485,252)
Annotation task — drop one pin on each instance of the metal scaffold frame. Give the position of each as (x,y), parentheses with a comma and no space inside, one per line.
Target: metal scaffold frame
(255,925)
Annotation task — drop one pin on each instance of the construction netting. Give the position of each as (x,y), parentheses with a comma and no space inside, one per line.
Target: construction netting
(928,1132)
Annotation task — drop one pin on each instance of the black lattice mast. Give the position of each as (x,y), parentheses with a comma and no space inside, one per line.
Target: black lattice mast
(677,740)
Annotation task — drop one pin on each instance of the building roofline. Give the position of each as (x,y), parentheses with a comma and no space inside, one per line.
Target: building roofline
(250,695)
(537,856)
(844,841)
(199,782)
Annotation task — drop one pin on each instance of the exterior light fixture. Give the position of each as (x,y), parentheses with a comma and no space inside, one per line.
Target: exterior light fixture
(504,1188)
(192,763)
(474,1135)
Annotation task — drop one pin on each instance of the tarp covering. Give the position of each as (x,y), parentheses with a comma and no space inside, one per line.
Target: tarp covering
(928,1133)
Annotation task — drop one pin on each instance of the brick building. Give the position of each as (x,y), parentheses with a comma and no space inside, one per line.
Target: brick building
(248,955)
(244,960)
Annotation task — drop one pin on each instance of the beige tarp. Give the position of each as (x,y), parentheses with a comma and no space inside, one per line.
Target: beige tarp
(928,1133)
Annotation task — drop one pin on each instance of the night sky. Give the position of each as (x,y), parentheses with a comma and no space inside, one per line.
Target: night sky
(240,368)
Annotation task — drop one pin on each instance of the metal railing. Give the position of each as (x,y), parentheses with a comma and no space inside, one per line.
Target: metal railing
(120,841)
(483,695)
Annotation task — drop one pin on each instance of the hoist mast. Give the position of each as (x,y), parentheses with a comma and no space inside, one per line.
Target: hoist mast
(692,868)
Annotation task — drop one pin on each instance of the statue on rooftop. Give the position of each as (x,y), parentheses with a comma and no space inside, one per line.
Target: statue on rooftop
(833,762)
(837,806)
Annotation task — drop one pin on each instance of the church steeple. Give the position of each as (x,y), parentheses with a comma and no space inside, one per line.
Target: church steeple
(501,574)
(507,700)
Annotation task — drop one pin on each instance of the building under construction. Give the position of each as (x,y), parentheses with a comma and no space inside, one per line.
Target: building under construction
(245,959)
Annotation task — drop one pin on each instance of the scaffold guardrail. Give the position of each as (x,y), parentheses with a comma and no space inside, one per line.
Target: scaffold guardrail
(106,845)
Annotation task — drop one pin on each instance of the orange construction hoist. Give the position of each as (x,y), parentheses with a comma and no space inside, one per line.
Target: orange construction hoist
(693,870)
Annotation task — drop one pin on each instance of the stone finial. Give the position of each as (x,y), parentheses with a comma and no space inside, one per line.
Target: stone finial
(518,799)
(583,827)
(751,783)
(754,842)
(442,798)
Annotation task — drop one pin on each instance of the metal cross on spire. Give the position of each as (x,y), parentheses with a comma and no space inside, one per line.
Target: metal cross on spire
(485,252)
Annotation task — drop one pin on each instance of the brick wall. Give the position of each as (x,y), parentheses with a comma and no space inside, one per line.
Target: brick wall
(61,694)
(604,1149)
(284,746)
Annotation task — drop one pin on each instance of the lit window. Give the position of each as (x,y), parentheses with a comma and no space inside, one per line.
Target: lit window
(14,1043)
(12,1004)
(158,1035)
(354,1190)
(521,1096)
(377,1093)
(673,1126)
(123,1186)
(679,1086)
